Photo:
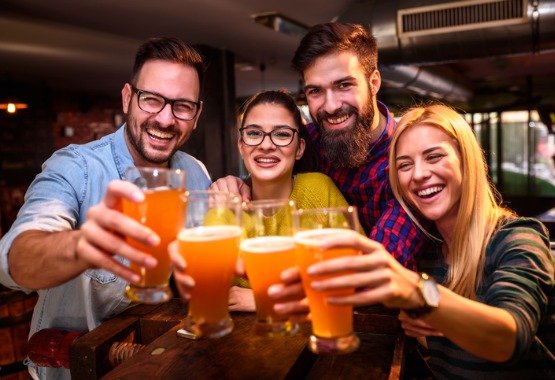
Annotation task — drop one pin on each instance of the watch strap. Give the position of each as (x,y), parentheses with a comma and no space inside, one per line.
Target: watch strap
(425,309)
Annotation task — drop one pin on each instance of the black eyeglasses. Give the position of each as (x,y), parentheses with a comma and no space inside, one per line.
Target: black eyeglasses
(253,136)
(153,103)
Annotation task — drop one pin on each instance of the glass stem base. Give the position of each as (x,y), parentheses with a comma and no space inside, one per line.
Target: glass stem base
(341,345)
(206,329)
(272,329)
(153,295)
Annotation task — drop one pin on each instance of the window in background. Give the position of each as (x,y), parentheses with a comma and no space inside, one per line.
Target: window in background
(528,149)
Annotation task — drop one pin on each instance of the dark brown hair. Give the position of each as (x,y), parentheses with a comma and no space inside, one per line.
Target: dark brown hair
(334,37)
(168,49)
(309,162)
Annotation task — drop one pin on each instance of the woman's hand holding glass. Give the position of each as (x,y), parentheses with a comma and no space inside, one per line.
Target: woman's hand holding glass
(332,324)
(376,276)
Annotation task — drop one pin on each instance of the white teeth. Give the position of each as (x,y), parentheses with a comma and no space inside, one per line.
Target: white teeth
(266,160)
(159,134)
(430,190)
(338,120)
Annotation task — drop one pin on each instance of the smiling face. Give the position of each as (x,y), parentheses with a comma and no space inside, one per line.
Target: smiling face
(268,163)
(153,138)
(429,171)
(341,99)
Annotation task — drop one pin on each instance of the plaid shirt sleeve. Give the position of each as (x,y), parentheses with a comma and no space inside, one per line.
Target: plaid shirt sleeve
(398,234)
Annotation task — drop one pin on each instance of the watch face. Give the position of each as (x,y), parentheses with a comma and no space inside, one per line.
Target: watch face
(430,293)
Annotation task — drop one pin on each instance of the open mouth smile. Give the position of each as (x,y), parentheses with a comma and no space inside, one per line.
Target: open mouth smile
(263,160)
(160,135)
(430,192)
(337,120)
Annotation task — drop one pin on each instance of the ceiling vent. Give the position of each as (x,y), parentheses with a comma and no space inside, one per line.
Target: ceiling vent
(460,16)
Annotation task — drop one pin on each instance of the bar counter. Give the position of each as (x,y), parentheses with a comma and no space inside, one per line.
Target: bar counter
(239,355)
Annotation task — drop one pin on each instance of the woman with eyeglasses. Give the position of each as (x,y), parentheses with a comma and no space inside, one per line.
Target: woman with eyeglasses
(282,163)
(275,148)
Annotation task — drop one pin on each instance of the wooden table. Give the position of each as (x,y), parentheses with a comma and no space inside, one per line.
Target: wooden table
(240,355)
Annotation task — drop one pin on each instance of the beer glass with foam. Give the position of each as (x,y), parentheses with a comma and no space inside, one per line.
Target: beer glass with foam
(161,211)
(267,250)
(209,243)
(332,325)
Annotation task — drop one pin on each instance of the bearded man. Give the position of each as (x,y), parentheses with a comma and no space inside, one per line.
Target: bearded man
(352,131)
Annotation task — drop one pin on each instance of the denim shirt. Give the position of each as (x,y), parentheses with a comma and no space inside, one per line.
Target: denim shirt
(72,180)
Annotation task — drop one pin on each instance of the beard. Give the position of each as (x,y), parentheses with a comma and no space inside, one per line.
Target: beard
(347,147)
(134,136)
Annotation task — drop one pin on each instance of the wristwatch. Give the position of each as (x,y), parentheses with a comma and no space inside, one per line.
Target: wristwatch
(427,287)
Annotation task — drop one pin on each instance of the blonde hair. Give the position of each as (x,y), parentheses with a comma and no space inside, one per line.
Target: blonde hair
(479,209)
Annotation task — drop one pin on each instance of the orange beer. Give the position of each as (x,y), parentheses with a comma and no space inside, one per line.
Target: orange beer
(211,253)
(328,321)
(265,258)
(163,212)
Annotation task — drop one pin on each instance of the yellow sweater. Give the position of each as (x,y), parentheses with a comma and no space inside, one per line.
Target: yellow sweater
(316,190)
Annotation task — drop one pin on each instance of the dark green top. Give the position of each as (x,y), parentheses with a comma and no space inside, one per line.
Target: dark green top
(518,277)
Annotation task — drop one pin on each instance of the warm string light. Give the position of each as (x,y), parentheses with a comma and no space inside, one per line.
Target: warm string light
(12,107)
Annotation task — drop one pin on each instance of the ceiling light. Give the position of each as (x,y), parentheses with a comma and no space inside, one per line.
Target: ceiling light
(280,23)
(244,66)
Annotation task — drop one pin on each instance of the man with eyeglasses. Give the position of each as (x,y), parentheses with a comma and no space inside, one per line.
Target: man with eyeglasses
(68,241)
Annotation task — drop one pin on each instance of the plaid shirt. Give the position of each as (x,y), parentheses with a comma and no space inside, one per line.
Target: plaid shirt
(367,187)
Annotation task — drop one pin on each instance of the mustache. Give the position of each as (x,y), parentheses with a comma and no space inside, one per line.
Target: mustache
(343,111)
(156,126)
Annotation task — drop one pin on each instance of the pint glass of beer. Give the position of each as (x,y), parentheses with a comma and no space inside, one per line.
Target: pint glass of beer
(267,250)
(161,211)
(332,325)
(209,244)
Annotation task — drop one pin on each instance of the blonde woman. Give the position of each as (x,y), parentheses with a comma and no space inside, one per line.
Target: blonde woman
(484,302)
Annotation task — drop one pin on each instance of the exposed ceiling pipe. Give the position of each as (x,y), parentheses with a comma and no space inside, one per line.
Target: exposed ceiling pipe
(411,37)
(427,82)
